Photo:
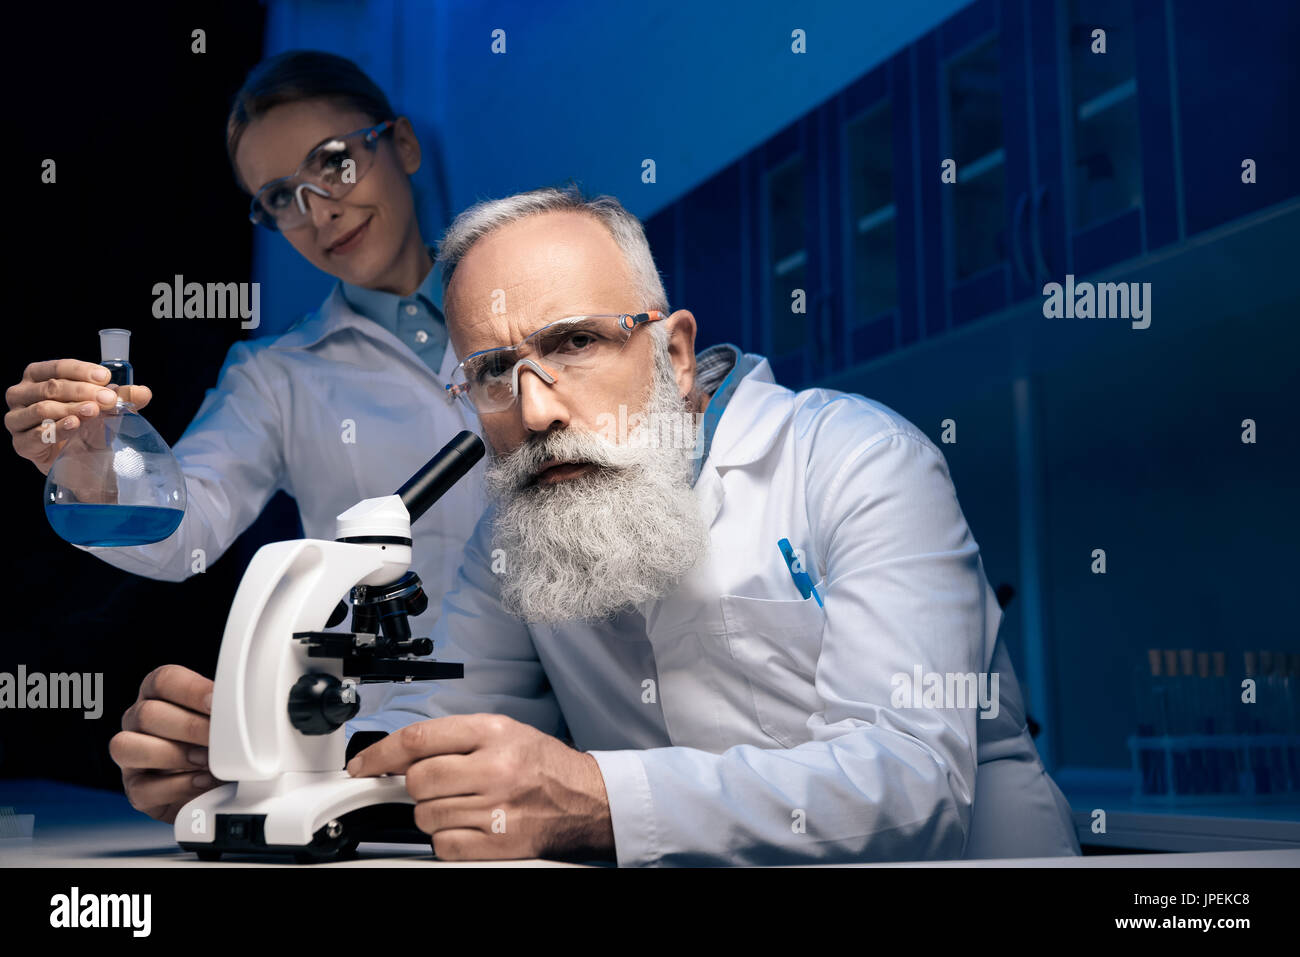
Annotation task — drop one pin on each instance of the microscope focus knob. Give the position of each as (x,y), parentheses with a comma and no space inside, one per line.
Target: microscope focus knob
(320,703)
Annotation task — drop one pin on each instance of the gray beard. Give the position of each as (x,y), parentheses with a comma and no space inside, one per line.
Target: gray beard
(592,546)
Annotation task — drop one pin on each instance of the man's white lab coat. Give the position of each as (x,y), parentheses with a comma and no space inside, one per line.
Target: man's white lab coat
(735,722)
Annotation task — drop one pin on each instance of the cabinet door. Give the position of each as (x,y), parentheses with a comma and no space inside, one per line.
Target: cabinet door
(712,244)
(784,194)
(1237,100)
(1104,153)
(877,216)
(972,85)
(1105,174)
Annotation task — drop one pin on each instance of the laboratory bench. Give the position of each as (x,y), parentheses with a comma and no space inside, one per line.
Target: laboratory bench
(86,827)
(1134,825)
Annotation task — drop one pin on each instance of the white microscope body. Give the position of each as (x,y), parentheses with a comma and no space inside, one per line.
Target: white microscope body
(284,688)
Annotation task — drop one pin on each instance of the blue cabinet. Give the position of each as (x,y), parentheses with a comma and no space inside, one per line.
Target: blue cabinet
(1084,133)
(874,232)
(1236,88)
(1105,184)
(788,259)
(711,251)
(976,171)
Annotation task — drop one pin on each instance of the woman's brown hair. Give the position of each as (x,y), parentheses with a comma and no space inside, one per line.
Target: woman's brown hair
(302,75)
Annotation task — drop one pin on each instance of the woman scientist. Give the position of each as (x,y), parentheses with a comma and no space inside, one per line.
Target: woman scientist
(346,405)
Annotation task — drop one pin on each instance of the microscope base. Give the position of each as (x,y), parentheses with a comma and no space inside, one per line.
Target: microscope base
(314,816)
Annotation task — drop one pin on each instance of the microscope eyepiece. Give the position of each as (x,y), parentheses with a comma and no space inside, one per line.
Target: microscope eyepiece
(440,473)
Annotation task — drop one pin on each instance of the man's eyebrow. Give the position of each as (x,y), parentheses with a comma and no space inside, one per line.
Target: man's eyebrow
(551,316)
(299,166)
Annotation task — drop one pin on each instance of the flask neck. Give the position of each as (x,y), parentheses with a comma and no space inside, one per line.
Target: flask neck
(119,372)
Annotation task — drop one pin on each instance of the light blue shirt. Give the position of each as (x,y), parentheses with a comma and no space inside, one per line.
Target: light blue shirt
(415,319)
(718,370)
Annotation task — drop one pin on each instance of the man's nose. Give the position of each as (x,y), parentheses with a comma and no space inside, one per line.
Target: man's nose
(540,406)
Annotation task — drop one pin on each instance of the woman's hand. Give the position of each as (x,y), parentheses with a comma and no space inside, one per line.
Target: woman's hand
(51,401)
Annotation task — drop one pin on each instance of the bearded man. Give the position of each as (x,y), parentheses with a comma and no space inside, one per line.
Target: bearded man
(684,644)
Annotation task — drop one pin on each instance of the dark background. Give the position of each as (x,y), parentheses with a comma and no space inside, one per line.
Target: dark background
(135,122)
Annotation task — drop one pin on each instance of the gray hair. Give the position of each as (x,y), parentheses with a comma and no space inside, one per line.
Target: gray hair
(482,218)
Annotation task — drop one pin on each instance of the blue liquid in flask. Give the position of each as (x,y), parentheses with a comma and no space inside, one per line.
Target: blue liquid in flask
(113,525)
(115,482)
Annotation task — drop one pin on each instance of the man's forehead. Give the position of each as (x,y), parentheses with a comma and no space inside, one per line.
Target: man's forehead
(534,271)
(540,251)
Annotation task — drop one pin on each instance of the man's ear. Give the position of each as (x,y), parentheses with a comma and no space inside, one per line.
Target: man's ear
(407,145)
(681,349)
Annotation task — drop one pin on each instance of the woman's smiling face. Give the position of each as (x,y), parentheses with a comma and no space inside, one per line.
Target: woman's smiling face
(359,237)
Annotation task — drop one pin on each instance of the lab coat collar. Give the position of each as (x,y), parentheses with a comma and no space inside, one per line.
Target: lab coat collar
(748,427)
(335,315)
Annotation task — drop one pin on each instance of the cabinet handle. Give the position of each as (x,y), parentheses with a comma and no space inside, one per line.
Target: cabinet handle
(1017,254)
(1040,261)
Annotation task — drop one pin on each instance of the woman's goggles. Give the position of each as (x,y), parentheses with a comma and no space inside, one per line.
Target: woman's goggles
(330,170)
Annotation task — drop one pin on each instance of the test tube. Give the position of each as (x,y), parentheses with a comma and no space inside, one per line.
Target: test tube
(1226,764)
(1254,725)
(1190,783)
(1149,711)
(1205,725)
(1292,720)
(1273,664)
(1160,756)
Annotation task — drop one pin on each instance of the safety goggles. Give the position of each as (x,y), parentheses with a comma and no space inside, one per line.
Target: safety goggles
(330,170)
(488,381)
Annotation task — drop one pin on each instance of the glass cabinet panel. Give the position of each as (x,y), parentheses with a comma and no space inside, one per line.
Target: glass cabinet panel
(787,256)
(1104,111)
(974,102)
(873,252)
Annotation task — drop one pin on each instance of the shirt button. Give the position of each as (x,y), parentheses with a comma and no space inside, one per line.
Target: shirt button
(421,335)
(411,310)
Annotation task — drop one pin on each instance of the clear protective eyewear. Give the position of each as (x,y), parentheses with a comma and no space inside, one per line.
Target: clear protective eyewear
(488,381)
(330,170)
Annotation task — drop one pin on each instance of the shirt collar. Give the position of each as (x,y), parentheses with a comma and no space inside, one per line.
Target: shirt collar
(385,307)
(718,371)
(335,315)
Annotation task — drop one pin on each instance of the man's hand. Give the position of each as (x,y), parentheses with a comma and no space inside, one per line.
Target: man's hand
(489,787)
(162,748)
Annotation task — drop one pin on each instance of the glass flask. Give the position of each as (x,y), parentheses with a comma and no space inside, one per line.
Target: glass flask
(116,481)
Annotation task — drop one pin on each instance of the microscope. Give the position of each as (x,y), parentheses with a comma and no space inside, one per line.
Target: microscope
(284,688)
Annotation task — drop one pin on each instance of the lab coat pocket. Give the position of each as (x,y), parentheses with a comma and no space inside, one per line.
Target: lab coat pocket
(775,645)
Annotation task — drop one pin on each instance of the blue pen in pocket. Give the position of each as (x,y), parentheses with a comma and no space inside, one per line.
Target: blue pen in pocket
(801,579)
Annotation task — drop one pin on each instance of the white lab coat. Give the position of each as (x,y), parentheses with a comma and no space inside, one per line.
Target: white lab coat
(335,410)
(736,723)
